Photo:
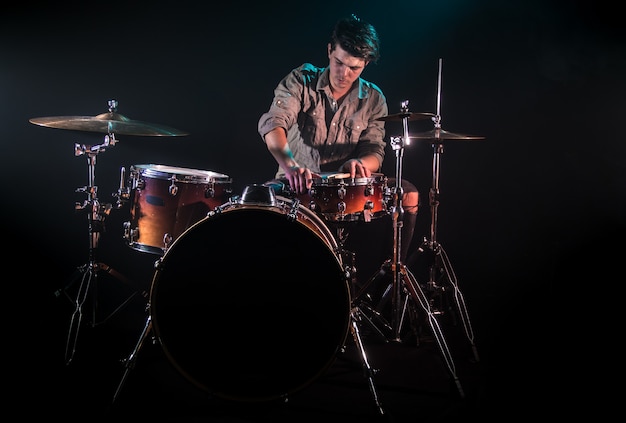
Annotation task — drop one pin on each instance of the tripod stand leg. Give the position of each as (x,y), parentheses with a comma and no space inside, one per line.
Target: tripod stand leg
(88,275)
(372,311)
(77,315)
(361,316)
(419,297)
(458,299)
(369,372)
(129,363)
(363,308)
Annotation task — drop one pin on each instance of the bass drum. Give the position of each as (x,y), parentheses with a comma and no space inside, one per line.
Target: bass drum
(251,303)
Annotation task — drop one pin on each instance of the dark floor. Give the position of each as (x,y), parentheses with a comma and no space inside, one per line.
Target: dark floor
(411,382)
(434,373)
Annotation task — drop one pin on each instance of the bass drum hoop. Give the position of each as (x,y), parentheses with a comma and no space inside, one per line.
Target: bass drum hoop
(250,304)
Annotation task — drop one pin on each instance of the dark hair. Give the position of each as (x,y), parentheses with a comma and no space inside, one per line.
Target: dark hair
(357,37)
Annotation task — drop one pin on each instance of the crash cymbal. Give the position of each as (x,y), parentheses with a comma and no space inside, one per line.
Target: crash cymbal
(410,116)
(107,123)
(440,134)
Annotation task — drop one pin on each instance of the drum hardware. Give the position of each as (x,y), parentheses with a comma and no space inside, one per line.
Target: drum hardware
(88,273)
(257,310)
(356,316)
(405,291)
(260,194)
(440,268)
(123,192)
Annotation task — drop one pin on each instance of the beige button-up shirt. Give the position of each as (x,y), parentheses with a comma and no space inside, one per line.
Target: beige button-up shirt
(321,134)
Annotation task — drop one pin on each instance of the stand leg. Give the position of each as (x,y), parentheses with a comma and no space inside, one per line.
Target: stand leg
(419,297)
(129,363)
(88,275)
(441,259)
(357,316)
(363,309)
(77,315)
(363,317)
(369,372)
(373,311)
(117,275)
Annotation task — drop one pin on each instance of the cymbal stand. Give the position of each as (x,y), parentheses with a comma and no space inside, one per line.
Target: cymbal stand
(440,268)
(404,287)
(88,273)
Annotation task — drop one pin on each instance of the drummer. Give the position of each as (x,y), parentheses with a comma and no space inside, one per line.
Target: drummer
(327,119)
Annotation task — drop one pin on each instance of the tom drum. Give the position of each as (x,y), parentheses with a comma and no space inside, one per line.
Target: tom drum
(167,200)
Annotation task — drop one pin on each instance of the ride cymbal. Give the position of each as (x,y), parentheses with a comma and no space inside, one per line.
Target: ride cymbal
(107,123)
(410,116)
(440,134)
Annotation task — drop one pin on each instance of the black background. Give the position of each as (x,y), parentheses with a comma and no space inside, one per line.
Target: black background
(525,214)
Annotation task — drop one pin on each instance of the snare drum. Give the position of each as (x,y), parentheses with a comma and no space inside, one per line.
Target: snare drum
(252,303)
(166,200)
(339,198)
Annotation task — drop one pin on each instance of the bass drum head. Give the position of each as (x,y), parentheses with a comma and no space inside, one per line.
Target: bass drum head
(250,305)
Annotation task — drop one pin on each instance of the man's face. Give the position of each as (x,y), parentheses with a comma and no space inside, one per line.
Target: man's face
(344,68)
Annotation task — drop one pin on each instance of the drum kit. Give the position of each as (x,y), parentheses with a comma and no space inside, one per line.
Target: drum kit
(188,216)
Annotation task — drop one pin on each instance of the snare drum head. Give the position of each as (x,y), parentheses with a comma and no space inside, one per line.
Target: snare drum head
(334,179)
(250,304)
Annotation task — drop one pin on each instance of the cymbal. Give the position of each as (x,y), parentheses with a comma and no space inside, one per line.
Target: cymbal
(410,116)
(440,134)
(107,123)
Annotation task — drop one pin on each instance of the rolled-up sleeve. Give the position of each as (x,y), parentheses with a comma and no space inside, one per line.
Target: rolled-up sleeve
(285,105)
(371,140)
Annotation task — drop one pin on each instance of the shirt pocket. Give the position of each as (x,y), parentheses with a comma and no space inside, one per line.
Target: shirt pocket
(353,127)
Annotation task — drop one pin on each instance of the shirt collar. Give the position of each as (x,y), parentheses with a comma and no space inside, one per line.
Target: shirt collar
(323,84)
